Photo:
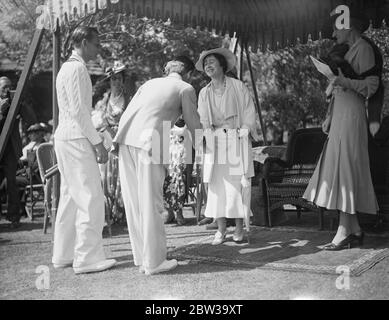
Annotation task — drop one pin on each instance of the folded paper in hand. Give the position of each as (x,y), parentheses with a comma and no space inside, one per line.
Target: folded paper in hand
(323,68)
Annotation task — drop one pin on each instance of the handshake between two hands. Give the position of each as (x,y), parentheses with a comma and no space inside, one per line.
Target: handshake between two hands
(102,152)
(103,148)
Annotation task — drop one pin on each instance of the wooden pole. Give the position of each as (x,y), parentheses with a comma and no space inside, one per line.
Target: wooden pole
(241,63)
(255,93)
(56,67)
(15,104)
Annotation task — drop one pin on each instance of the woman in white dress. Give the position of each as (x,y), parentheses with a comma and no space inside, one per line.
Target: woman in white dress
(227,114)
(342,179)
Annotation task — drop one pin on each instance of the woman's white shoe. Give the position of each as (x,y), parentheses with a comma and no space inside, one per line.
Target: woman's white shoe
(219,238)
(238,236)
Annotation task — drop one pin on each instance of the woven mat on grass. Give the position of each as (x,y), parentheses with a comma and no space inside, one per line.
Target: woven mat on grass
(288,250)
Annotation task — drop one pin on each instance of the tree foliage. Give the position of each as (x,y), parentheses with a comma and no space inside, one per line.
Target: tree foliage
(16,32)
(291,90)
(145,45)
(381,38)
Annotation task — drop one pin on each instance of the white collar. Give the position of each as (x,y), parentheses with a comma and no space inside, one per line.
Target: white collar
(76,56)
(175,75)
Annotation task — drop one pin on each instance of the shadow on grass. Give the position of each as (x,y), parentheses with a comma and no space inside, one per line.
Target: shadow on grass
(4,241)
(24,226)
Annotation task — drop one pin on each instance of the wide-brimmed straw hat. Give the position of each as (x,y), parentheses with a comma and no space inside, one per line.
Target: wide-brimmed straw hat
(230,58)
(117,68)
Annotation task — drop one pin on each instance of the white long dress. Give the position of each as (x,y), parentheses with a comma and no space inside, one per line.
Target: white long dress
(227,197)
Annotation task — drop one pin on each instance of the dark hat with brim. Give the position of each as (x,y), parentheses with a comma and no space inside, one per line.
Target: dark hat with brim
(37,127)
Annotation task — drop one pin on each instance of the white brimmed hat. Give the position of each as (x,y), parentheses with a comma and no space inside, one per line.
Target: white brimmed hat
(230,58)
(117,68)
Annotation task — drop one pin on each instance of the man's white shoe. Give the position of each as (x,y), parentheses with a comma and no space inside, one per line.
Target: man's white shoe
(62,265)
(96,267)
(167,265)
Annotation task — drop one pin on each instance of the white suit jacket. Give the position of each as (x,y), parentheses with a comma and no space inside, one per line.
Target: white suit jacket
(153,111)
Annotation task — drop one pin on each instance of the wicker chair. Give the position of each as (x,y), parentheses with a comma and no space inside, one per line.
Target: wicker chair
(284,181)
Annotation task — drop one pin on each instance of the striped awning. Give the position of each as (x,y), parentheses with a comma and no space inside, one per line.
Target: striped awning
(261,22)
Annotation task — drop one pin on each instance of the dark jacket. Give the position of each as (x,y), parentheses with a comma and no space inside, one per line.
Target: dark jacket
(14,140)
(335,59)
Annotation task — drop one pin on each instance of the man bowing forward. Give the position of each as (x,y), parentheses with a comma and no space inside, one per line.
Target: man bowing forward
(143,128)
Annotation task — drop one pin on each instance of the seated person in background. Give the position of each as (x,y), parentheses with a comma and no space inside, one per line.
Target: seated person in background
(28,164)
(36,136)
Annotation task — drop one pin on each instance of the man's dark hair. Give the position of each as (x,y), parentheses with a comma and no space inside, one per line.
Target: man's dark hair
(222,60)
(81,33)
(188,63)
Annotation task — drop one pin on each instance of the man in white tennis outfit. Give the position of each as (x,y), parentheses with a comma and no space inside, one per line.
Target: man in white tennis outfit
(143,127)
(80,218)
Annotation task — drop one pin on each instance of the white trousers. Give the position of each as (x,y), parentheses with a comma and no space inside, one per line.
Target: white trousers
(80,217)
(142,191)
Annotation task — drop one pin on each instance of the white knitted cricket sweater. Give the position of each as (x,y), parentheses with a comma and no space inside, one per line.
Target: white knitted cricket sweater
(74,94)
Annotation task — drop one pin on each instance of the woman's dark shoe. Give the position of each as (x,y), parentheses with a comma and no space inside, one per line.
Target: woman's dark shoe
(344,244)
(359,238)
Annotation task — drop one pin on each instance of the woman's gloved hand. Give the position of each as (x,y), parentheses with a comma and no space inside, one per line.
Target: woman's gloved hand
(243,132)
(340,79)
